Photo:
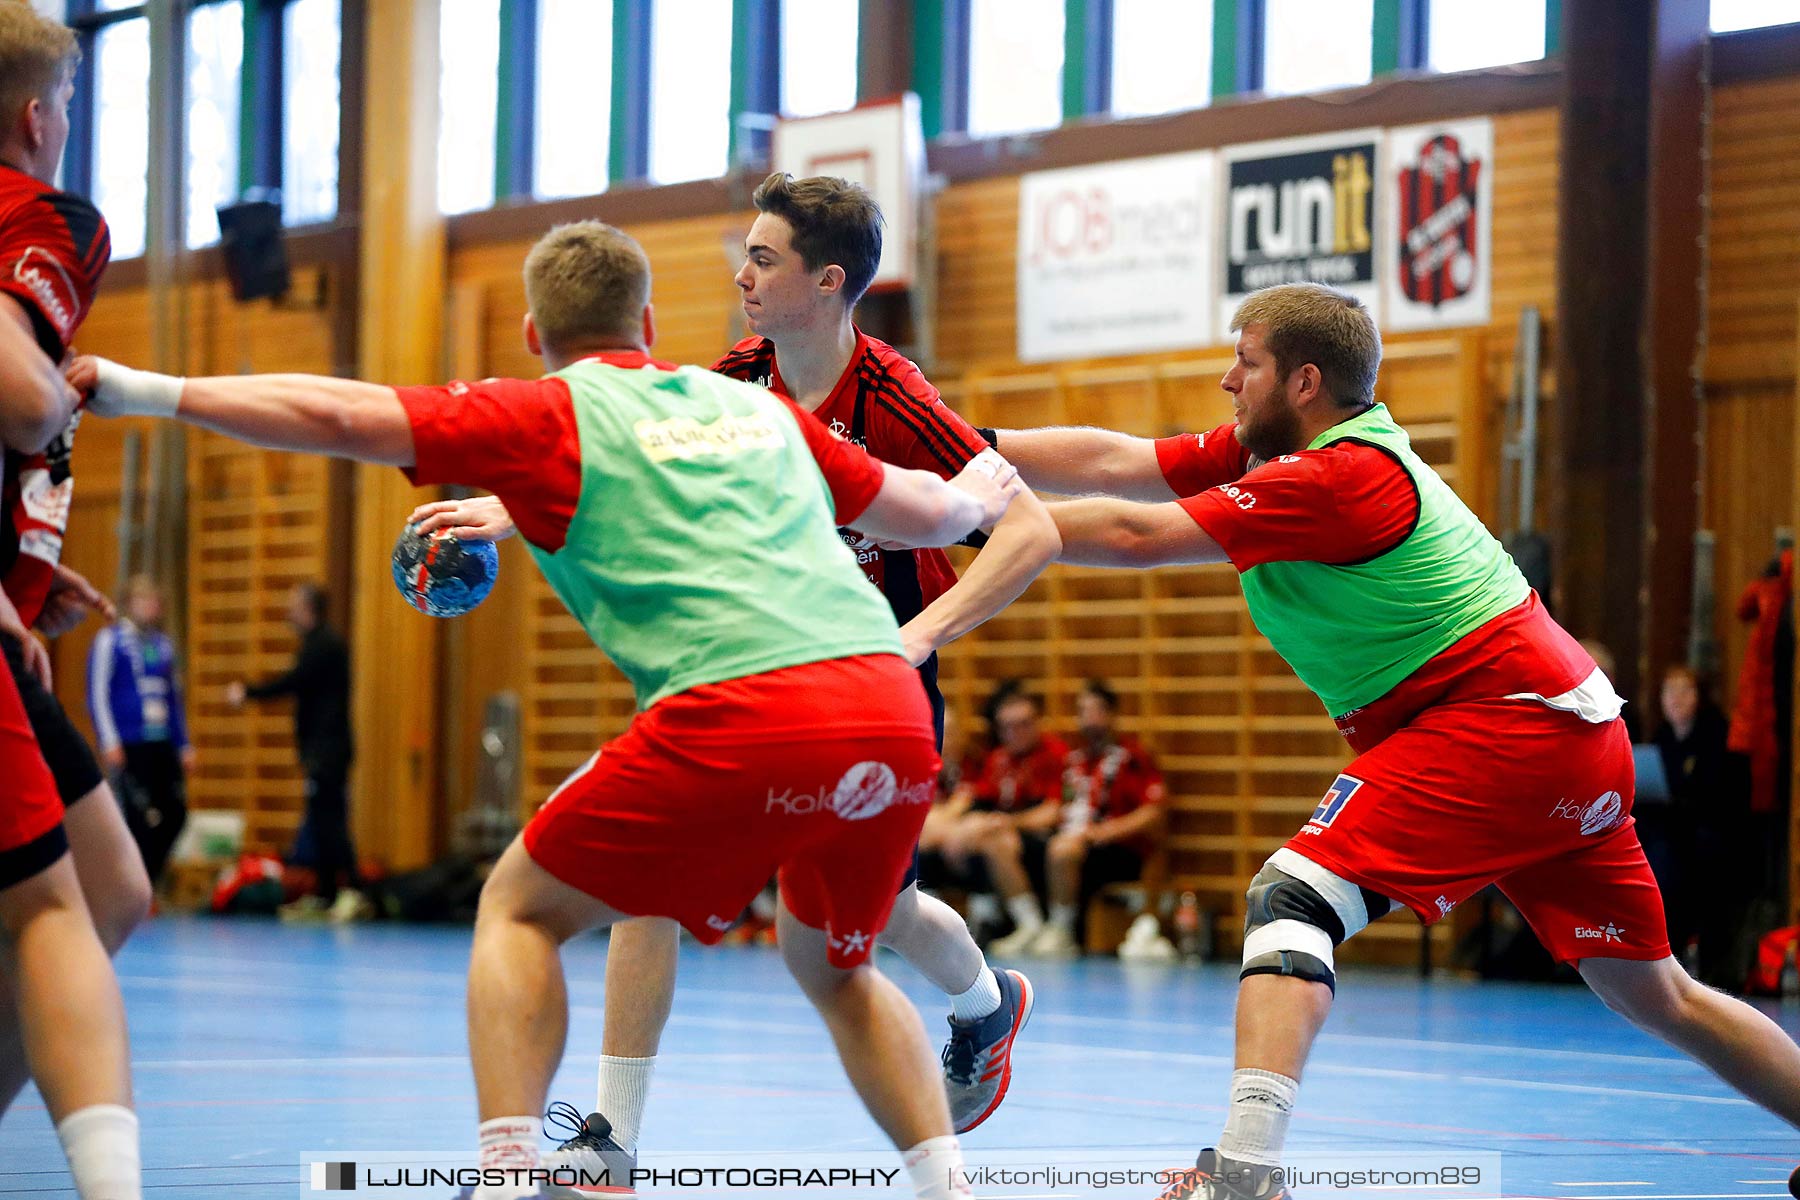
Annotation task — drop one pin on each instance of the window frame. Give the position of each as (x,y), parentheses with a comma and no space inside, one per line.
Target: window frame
(261,94)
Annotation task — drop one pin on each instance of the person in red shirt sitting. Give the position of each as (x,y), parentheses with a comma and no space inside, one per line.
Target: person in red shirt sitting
(1112,819)
(1006,813)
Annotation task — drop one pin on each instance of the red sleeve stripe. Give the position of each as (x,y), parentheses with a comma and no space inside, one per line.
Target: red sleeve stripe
(883,380)
(735,361)
(933,432)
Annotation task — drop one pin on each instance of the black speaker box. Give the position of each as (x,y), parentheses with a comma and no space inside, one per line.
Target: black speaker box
(255,255)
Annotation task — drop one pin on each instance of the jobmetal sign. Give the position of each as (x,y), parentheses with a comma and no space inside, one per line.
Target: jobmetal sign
(1437,268)
(1114,258)
(1300,210)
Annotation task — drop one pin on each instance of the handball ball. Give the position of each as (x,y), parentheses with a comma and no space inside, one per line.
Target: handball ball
(443,576)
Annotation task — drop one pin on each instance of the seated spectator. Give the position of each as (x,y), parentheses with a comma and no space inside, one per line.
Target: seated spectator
(977,838)
(1112,821)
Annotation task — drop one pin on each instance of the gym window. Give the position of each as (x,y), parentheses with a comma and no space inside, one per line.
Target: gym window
(276,59)
(115,173)
(573,105)
(311,47)
(1015,66)
(1161,56)
(215,73)
(818,57)
(468,98)
(1729,15)
(690,89)
(1461,36)
(1316,45)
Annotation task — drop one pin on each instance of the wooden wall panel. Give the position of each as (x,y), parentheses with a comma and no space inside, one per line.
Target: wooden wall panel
(1753,290)
(257,524)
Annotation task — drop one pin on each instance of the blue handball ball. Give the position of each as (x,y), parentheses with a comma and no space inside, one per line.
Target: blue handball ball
(443,576)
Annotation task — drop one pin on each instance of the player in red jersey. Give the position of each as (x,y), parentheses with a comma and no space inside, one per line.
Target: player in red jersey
(61,1019)
(810,256)
(644,494)
(1488,744)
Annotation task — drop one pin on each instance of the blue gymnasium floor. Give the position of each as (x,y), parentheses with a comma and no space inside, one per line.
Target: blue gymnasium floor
(255,1042)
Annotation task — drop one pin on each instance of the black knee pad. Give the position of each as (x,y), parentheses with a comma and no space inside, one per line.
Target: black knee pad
(1291,927)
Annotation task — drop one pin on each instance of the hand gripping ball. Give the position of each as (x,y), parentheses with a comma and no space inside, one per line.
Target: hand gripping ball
(443,576)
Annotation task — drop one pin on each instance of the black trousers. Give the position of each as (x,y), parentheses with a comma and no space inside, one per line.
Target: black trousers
(324,839)
(157,809)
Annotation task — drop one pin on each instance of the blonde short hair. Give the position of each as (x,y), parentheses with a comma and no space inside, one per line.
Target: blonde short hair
(586,282)
(1312,323)
(36,54)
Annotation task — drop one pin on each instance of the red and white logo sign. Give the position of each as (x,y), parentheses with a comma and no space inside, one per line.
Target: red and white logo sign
(1437,268)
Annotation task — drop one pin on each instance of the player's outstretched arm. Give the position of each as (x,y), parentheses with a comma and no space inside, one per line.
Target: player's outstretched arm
(344,418)
(917,508)
(1084,461)
(35,403)
(1022,545)
(1118,533)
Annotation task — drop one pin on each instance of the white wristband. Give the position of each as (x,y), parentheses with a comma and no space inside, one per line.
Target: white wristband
(988,462)
(122,391)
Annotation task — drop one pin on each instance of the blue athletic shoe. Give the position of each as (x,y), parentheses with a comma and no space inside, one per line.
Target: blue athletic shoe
(978,1057)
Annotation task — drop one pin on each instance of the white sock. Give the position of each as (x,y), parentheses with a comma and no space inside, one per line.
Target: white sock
(981,998)
(1063,917)
(936,1167)
(1025,912)
(624,1089)
(508,1142)
(101,1142)
(984,908)
(1262,1102)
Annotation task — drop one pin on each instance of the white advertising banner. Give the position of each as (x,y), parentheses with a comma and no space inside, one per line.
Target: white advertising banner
(1438,261)
(1115,258)
(1300,210)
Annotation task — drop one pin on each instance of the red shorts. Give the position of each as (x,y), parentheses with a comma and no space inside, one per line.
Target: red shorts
(1499,791)
(819,774)
(31,833)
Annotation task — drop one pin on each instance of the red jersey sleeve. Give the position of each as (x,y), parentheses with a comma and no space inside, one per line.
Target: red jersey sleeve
(1342,504)
(1193,462)
(852,475)
(514,437)
(908,424)
(54,246)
